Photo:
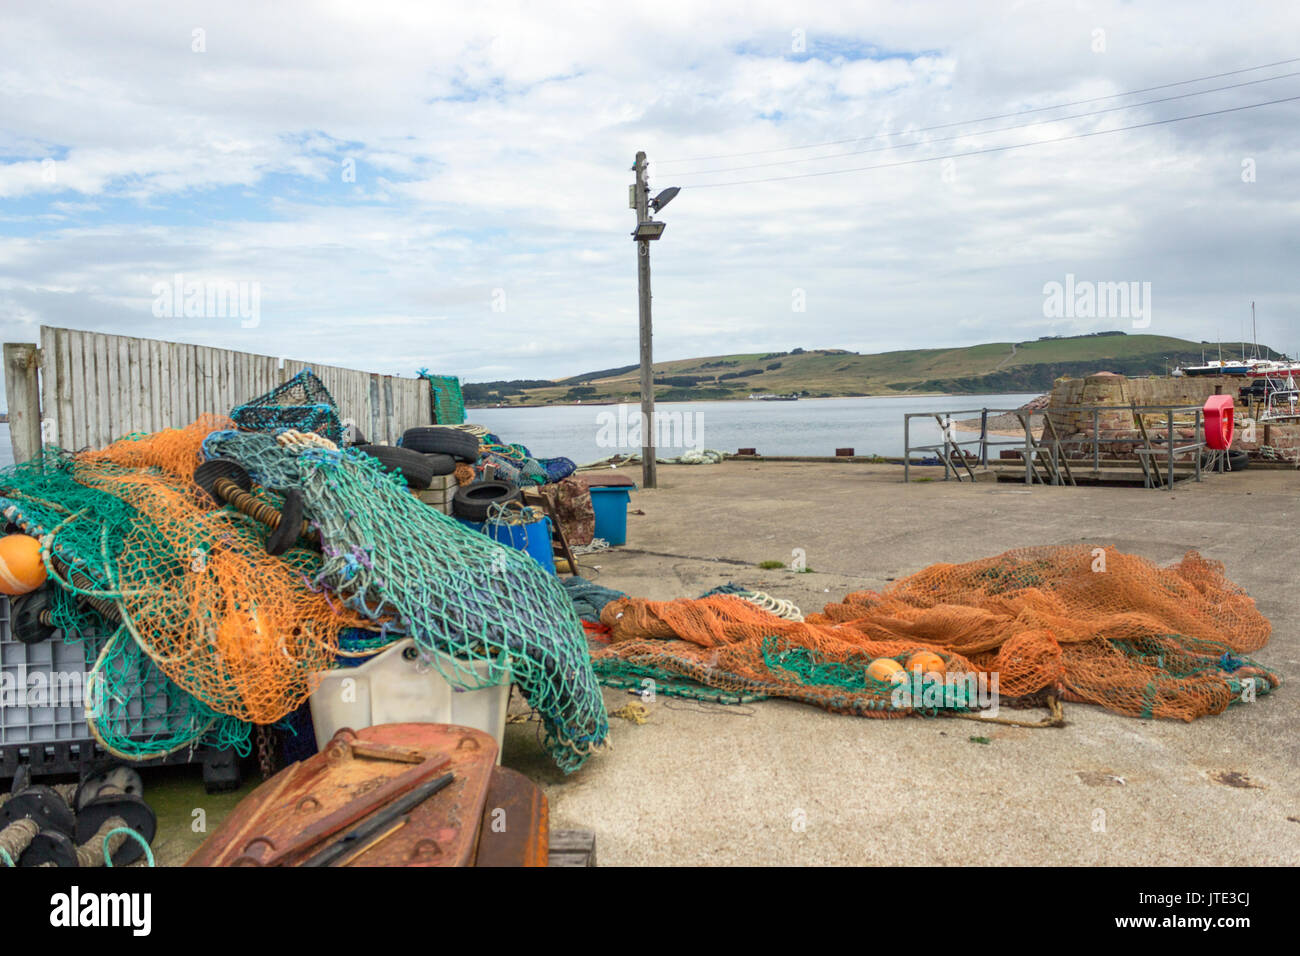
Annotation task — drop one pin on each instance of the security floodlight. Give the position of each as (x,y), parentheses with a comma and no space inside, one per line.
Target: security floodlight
(650,229)
(664,198)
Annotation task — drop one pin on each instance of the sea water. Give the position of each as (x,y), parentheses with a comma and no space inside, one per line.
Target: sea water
(870,426)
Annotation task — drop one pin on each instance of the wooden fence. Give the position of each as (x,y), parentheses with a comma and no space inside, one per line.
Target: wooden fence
(86,389)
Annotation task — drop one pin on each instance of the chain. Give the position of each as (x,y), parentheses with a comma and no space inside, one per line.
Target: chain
(265,752)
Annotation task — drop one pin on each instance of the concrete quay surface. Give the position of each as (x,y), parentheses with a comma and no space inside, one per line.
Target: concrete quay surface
(777,782)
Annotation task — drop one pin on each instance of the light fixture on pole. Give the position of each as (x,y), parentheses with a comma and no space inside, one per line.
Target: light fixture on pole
(664,198)
(650,229)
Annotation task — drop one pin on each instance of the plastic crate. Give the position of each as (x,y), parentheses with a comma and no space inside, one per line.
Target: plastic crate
(50,735)
(52,670)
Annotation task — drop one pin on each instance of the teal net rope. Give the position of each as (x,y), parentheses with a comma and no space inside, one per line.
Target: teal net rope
(135,710)
(480,611)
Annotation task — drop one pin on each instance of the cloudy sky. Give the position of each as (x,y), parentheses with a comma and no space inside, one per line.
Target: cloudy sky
(404,185)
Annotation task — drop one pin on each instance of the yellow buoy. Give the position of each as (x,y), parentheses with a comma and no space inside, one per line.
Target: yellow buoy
(886,669)
(927,662)
(21,568)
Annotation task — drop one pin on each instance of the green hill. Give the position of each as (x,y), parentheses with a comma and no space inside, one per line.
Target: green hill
(824,373)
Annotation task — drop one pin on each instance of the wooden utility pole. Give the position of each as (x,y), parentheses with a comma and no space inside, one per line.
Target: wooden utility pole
(641,202)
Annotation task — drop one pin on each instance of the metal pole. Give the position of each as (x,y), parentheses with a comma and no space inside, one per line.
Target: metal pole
(907,448)
(1198,439)
(984,437)
(648,477)
(1029,454)
(1170,439)
(1096,443)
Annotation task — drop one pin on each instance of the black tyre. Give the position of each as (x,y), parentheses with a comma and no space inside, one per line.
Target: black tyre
(473,501)
(411,465)
(441,464)
(461,445)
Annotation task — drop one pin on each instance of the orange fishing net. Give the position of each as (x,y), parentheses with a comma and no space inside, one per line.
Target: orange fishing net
(1086,624)
(235,627)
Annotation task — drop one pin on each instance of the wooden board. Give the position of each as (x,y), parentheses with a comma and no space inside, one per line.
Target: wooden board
(313,802)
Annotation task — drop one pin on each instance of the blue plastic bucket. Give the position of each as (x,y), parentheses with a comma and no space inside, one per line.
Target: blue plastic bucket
(610,505)
(533,539)
(537,542)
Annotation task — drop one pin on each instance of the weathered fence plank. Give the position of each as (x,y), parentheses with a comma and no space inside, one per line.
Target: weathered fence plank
(93,388)
(23,399)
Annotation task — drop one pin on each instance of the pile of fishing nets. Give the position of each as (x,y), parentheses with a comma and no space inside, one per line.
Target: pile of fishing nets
(464,598)
(213,635)
(1076,623)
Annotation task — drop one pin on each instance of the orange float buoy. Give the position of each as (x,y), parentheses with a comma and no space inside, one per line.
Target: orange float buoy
(927,662)
(21,567)
(886,669)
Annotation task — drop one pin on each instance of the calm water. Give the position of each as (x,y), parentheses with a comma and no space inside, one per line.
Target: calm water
(870,426)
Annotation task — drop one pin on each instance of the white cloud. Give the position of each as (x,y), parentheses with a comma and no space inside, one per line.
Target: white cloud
(492,146)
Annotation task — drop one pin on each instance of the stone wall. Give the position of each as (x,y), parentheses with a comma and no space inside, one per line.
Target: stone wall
(1273,443)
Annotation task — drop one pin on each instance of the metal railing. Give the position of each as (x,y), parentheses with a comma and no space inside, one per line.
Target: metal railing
(951,449)
(1053,454)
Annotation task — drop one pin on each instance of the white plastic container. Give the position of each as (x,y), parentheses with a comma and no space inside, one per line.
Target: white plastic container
(398,686)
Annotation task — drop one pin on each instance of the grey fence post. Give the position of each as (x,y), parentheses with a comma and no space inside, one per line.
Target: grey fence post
(907,447)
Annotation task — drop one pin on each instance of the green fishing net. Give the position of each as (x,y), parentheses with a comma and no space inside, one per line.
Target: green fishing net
(479,611)
(133,708)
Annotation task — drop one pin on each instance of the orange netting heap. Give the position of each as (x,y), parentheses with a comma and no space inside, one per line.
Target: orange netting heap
(1080,623)
(237,628)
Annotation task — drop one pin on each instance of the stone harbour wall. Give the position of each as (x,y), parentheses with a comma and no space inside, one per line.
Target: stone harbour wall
(1070,395)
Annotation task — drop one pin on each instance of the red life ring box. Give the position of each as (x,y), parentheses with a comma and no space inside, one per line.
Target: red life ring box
(1218,421)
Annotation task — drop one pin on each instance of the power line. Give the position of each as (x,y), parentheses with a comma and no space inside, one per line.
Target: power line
(985,132)
(985,119)
(998,149)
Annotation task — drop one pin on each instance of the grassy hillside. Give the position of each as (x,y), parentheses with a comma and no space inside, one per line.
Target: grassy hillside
(994,367)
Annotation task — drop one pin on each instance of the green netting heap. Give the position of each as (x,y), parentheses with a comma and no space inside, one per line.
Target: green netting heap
(477,609)
(589,599)
(448,402)
(133,708)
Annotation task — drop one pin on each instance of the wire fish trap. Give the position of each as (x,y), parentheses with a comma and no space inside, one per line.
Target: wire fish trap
(303,403)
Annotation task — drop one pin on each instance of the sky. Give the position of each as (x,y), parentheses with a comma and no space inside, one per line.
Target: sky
(394,186)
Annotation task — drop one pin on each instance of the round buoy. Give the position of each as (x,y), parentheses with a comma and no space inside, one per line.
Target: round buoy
(927,662)
(886,669)
(21,568)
